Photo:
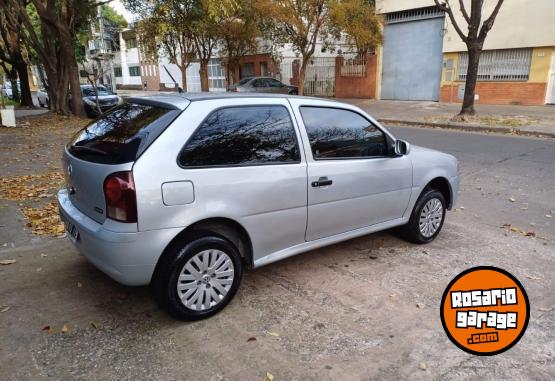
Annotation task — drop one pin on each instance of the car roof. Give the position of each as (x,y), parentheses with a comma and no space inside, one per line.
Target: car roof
(181,100)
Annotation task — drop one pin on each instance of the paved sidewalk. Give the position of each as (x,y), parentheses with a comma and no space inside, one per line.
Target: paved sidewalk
(521,120)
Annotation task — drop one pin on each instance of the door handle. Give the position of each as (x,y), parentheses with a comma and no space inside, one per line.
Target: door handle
(321,182)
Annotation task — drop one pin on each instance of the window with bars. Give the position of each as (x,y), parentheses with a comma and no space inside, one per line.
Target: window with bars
(216,74)
(499,65)
(117,71)
(134,71)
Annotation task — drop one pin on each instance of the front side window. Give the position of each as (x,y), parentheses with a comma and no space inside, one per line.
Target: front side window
(250,135)
(339,134)
(274,82)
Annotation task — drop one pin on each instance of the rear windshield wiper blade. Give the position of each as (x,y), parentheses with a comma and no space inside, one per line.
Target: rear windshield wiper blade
(89,149)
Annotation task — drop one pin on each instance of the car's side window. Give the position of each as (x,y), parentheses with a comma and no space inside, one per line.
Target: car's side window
(274,82)
(243,135)
(340,134)
(259,83)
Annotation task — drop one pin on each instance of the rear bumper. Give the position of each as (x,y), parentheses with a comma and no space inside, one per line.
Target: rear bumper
(128,258)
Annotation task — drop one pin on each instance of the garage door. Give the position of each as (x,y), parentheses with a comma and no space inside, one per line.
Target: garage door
(412,55)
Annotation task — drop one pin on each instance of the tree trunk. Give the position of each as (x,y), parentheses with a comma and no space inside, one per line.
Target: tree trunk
(72,72)
(26,97)
(183,69)
(204,84)
(302,73)
(474,52)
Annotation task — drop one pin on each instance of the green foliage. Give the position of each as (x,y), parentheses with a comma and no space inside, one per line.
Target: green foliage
(358,20)
(111,16)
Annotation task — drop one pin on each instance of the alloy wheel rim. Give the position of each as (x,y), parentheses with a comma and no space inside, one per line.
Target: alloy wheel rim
(430,217)
(205,280)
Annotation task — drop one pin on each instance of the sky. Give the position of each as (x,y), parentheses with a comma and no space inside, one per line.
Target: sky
(119,7)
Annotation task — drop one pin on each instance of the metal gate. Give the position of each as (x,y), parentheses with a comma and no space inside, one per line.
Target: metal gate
(319,76)
(412,55)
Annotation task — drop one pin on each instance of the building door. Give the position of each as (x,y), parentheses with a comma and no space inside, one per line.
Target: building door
(412,55)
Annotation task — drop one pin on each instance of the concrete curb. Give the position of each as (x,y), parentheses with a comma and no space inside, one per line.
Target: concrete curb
(470,127)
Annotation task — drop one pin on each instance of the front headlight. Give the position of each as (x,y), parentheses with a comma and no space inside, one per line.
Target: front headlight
(90,102)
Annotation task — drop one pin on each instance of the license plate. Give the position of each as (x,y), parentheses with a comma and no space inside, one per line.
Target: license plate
(71,230)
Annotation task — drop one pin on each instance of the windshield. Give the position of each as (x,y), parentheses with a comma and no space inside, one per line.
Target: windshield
(122,134)
(89,91)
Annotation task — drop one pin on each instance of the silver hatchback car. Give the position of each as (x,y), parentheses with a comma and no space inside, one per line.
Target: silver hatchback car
(183,192)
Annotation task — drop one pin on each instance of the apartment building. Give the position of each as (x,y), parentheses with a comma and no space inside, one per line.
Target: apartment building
(423,58)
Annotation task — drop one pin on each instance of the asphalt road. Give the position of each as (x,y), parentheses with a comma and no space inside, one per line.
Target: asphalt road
(498,169)
(360,310)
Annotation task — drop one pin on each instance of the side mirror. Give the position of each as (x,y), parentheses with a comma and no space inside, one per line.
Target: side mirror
(401,147)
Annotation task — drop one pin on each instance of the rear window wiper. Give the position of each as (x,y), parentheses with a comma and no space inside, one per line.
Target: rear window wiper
(89,149)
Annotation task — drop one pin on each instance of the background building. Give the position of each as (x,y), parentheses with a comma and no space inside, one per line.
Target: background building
(423,58)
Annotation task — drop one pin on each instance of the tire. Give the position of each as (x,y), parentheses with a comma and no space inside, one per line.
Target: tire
(183,264)
(432,200)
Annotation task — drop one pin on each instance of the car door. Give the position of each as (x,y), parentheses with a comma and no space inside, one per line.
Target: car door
(353,180)
(237,158)
(259,85)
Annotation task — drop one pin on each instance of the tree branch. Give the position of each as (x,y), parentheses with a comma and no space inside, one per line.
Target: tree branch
(446,7)
(464,12)
(488,24)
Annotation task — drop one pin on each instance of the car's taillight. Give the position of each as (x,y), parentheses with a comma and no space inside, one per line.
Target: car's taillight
(121,200)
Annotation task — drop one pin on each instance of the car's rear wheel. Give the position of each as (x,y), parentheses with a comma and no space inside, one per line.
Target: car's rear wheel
(427,217)
(197,278)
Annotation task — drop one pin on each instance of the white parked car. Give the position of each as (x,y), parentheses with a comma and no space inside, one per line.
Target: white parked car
(42,97)
(184,192)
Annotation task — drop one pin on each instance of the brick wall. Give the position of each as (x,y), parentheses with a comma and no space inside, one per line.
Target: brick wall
(150,75)
(257,60)
(356,87)
(503,93)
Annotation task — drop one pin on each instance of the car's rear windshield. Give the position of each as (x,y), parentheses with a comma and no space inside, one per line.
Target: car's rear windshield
(121,135)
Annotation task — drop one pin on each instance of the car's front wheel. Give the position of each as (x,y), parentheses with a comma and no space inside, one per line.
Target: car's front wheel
(197,278)
(427,217)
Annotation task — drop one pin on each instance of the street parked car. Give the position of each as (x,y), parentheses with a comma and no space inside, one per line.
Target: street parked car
(106,99)
(263,85)
(183,192)
(42,97)
(7,89)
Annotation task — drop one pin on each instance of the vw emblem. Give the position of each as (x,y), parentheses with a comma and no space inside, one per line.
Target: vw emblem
(69,170)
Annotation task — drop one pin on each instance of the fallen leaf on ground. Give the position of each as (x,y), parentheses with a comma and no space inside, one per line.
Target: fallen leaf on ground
(269,376)
(95,324)
(512,199)
(273,334)
(533,277)
(548,216)
(5,309)
(419,305)
(7,261)
(44,255)
(48,329)
(39,269)
(423,366)
(251,339)
(79,284)
(65,328)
